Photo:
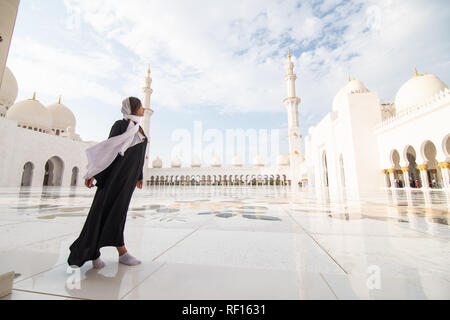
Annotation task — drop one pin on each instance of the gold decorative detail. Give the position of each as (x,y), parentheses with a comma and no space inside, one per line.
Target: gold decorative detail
(383,171)
(399,171)
(422,167)
(349,79)
(289,54)
(416,74)
(405,169)
(34,96)
(296,152)
(59,101)
(295,135)
(149,70)
(391,170)
(444,165)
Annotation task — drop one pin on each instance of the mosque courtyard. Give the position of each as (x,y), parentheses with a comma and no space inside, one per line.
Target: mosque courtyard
(215,242)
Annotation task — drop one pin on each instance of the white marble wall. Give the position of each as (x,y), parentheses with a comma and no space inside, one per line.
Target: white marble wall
(19,146)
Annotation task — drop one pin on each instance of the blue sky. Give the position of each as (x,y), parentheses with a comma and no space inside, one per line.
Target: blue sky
(220,62)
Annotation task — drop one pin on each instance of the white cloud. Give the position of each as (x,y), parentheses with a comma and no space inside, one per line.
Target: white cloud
(230,54)
(53,71)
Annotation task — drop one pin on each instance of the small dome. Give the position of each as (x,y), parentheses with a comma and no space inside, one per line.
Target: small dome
(352,87)
(356,86)
(282,160)
(216,162)
(31,113)
(9,89)
(62,116)
(236,162)
(157,162)
(196,163)
(176,162)
(259,161)
(417,90)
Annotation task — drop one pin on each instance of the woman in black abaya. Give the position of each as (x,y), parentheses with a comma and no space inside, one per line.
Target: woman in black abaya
(116,164)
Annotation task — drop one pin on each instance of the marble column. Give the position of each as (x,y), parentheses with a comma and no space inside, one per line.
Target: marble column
(392,177)
(406,177)
(384,171)
(445,166)
(424,175)
(409,197)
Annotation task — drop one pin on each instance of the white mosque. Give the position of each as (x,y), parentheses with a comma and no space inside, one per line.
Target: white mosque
(361,144)
(38,143)
(364,145)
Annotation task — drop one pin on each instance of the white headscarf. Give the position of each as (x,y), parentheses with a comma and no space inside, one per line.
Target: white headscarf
(101,155)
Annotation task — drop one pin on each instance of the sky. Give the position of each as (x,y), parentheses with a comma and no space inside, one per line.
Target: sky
(220,65)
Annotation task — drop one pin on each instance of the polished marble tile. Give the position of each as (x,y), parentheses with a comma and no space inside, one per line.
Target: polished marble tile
(325,224)
(395,256)
(309,245)
(25,295)
(201,282)
(111,282)
(234,249)
(20,234)
(364,287)
(27,263)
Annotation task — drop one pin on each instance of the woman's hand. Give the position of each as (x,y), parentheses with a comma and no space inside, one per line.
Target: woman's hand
(139,184)
(89,182)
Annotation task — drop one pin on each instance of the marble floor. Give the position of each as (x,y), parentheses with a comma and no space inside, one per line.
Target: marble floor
(233,243)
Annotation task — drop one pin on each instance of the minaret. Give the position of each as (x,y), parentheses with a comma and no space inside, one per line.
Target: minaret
(147,114)
(291,103)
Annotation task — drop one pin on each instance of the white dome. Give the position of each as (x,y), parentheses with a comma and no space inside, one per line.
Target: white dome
(356,86)
(259,161)
(216,162)
(417,90)
(31,113)
(282,160)
(196,163)
(62,116)
(352,87)
(236,162)
(157,163)
(9,89)
(340,98)
(176,162)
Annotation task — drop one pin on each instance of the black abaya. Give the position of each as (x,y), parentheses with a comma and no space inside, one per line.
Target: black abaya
(105,222)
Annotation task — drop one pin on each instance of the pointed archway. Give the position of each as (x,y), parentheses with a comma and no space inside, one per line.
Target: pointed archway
(27,175)
(54,168)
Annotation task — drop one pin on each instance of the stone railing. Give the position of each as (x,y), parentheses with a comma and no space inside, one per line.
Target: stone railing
(436,100)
